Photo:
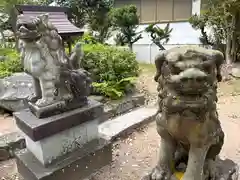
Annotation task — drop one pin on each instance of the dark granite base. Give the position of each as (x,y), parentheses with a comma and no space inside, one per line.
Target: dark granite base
(37,129)
(76,166)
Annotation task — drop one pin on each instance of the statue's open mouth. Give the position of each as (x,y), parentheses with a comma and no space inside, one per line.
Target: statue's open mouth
(190,82)
(27,32)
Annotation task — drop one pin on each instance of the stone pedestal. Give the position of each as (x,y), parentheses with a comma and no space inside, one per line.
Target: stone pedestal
(225,170)
(63,146)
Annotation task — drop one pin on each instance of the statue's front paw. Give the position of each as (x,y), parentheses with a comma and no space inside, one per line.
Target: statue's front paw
(160,174)
(32,98)
(211,170)
(43,102)
(67,97)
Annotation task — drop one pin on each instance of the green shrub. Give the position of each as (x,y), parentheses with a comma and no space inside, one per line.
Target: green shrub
(11,64)
(88,39)
(112,69)
(114,90)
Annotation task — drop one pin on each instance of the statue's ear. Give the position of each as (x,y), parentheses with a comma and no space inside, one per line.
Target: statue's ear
(219,60)
(44,17)
(159,60)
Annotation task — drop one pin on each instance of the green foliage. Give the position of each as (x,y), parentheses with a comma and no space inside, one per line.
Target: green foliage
(89,39)
(112,89)
(111,68)
(91,12)
(222,17)
(7,6)
(126,20)
(99,21)
(12,63)
(208,20)
(78,14)
(159,36)
(120,40)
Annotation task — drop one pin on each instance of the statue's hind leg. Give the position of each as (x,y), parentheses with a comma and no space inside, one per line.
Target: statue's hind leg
(38,92)
(47,84)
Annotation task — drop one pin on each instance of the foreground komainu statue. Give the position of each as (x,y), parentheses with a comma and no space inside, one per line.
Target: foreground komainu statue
(188,124)
(58,81)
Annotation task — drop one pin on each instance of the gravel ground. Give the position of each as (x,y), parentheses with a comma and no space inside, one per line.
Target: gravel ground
(137,154)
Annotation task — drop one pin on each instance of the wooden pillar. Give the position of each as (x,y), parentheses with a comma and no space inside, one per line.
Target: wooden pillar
(69,47)
(63,44)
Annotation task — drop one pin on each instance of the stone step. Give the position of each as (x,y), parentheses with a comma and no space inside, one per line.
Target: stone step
(126,123)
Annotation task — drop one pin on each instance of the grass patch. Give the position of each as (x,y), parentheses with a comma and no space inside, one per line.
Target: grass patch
(148,68)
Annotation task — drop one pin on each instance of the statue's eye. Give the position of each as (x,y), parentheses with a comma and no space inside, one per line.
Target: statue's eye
(18,26)
(200,79)
(175,70)
(185,79)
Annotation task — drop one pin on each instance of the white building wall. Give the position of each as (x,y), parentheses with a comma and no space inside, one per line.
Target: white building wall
(182,34)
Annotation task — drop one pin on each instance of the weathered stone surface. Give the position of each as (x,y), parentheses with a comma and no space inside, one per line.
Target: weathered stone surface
(15,140)
(187,120)
(75,166)
(226,170)
(9,143)
(124,123)
(4,154)
(56,108)
(97,98)
(37,129)
(57,78)
(12,140)
(14,90)
(115,108)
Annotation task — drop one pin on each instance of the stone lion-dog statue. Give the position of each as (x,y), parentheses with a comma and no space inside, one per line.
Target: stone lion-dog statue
(187,120)
(56,76)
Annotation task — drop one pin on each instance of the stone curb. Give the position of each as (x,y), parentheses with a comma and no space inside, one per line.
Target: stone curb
(125,105)
(125,124)
(10,143)
(131,129)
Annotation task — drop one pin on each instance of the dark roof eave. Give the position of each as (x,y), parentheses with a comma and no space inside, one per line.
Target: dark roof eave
(41,8)
(71,33)
(33,8)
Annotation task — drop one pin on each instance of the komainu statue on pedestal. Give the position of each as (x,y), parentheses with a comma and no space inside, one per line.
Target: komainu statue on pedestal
(187,120)
(59,84)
